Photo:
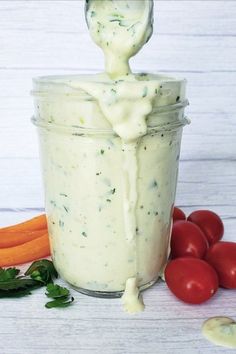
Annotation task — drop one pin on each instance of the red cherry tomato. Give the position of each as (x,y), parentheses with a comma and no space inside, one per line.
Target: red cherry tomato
(191,280)
(222,256)
(210,223)
(178,214)
(187,239)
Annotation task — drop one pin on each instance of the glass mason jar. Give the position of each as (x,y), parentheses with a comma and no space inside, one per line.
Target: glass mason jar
(82,162)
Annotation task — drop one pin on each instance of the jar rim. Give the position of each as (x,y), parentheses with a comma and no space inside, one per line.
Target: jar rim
(80,131)
(65,85)
(100,76)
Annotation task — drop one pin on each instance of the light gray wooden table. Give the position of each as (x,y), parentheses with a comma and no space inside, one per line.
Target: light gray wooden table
(194,39)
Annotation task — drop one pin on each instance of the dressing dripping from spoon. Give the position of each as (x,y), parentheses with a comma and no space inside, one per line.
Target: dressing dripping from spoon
(120,29)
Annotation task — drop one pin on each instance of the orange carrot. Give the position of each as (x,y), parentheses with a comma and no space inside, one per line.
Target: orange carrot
(37,223)
(11,239)
(27,252)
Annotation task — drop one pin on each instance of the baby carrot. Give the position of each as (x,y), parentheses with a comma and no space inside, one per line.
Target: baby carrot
(37,223)
(11,238)
(27,252)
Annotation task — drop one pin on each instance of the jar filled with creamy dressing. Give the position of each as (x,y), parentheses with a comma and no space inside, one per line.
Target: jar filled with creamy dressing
(109,192)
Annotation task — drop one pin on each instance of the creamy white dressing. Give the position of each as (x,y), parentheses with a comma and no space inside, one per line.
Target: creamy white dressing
(220,331)
(130,197)
(109,197)
(132,300)
(125,103)
(121,28)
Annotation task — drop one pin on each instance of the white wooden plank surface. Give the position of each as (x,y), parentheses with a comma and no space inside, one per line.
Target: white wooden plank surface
(194,39)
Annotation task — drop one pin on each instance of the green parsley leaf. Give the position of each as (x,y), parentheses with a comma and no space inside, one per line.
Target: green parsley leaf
(12,285)
(8,274)
(60,302)
(15,293)
(18,283)
(60,295)
(39,274)
(55,291)
(42,271)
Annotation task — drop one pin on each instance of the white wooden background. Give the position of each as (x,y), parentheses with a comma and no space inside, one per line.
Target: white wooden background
(194,39)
